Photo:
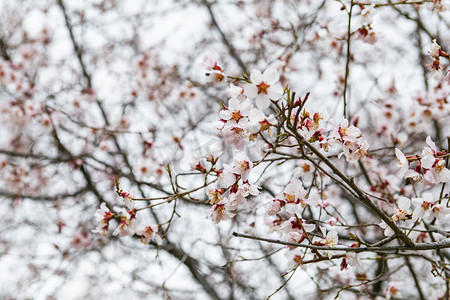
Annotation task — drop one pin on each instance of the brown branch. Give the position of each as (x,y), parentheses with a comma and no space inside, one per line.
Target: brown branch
(419,24)
(349,54)
(42,197)
(361,194)
(419,247)
(414,276)
(192,265)
(391,3)
(225,40)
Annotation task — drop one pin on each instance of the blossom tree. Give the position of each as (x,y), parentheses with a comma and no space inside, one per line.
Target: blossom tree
(225,149)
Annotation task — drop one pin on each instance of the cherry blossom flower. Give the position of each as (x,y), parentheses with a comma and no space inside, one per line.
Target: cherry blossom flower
(401,213)
(128,223)
(236,111)
(387,230)
(211,152)
(236,92)
(366,34)
(227,178)
(332,221)
(426,208)
(392,290)
(264,87)
(435,50)
(305,170)
(354,151)
(351,138)
(235,200)
(353,259)
(294,196)
(274,206)
(295,224)
(259,122)
(331,239)
(367,14)
(127,199)
(214,72)
(402,162)
(148,232)
(219,212)
(103,215)
(435,170)
(294,258)
(246,189)
(438,173)
(242,165)
(295,237)
(236,135)
(440,212)
(214,195)
(196,163)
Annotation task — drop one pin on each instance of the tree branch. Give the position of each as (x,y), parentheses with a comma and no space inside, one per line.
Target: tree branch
(420,247)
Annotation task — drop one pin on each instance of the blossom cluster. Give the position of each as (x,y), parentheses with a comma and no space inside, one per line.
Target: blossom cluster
(240,121)
(436,70)
(128,224)
(234,189)
(430,167)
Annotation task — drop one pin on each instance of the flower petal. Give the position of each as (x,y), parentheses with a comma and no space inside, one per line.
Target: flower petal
(262,101)
(256,77)
(275,92)
(250,90)
(271,76)
(431,143)
(427,161)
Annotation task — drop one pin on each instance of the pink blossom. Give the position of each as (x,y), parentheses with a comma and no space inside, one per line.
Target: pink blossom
(295,224)
(353,259)
(236,92)
(295,237)
(236,135)
(305,170)
(387,230)
(214,195)
(274,207)
(127,225)
(435,170)
(392,290)
(219,213)
(214,72)
(264,87)
(367,14)
(434,50)
(438,173)
(148,232)
(332,221)
(103,215)
(351,138)
(294,258)
(401,213)
(331,239)
(247,189)
(242,165)
(426,208)
(236,111)
(234,200)
(259,122)
(402,162)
